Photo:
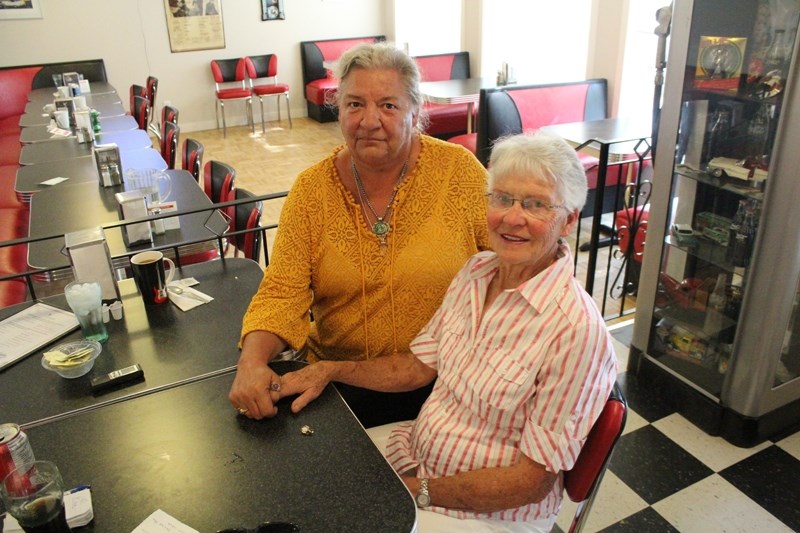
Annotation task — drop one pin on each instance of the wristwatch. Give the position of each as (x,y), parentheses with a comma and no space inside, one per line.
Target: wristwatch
(423,498)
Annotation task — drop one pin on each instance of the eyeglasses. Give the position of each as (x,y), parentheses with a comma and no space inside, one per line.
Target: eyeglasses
(530,206)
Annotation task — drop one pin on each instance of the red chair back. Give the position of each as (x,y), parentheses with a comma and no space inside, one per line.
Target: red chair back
(193,157)
(218,180)
(582,481)
(169,143)
(140,110)
(228,70)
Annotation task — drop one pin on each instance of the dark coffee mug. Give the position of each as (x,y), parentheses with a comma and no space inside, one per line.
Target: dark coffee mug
(151,279)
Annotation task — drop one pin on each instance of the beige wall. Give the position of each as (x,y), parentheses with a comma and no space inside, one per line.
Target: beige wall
(131,36)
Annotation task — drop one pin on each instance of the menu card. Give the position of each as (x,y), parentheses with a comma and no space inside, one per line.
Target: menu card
(31,329)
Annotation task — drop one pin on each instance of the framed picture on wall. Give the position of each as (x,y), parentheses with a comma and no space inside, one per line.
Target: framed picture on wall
(194,24)
(272,10)
(21,9)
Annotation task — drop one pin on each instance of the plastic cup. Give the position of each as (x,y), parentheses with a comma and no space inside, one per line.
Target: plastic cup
(85,300)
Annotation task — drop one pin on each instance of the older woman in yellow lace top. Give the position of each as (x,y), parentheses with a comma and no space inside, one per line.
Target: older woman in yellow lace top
(368,240)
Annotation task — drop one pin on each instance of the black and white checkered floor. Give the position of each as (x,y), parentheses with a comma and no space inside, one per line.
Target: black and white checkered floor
(668,475)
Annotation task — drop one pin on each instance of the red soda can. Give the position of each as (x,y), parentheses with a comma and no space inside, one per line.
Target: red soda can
(15,450)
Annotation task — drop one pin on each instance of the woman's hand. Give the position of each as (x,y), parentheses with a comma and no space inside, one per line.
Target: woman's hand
(308,382)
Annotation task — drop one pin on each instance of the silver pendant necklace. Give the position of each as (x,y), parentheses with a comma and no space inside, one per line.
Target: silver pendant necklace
(381,226)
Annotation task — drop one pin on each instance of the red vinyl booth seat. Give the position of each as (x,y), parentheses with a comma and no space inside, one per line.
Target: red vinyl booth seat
(317,80)
(445,119)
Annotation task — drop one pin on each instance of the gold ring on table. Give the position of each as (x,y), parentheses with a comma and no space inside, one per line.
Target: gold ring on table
(242,411)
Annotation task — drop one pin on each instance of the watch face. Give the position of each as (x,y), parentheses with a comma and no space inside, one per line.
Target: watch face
(423,500)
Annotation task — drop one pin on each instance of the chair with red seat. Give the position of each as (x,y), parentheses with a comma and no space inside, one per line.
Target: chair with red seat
(247,217)
(170,132)
(151,92)
(218,180)
(192,157)
(583,480)
(136,90)
(169,113)
(140,110)
(229,82)
(265,67)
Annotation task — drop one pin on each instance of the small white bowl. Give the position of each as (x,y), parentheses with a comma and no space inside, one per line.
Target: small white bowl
(71,372)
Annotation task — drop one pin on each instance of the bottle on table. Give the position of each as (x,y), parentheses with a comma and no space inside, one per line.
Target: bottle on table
(715,311)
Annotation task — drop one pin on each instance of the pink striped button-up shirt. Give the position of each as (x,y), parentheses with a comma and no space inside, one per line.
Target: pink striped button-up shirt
(530,377)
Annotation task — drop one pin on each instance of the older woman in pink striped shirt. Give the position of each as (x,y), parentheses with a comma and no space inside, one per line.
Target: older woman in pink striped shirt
(522,355)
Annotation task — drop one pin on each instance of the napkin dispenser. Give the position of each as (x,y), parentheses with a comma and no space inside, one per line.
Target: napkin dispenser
(91,260)
(132,205)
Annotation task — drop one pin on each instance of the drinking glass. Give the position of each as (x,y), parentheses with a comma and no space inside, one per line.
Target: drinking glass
(85,300)
(34,496)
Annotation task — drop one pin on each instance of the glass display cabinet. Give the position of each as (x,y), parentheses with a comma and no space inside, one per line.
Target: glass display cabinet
(717,326)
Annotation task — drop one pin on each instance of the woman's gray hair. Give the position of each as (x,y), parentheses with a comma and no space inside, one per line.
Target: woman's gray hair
(383,56)
(540,155)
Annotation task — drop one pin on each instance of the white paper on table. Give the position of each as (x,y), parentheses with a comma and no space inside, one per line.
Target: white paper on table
(161,522)
(25,332)
(53,181)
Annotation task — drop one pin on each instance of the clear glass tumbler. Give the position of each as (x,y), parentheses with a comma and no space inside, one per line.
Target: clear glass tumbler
(34,496)
(85,300)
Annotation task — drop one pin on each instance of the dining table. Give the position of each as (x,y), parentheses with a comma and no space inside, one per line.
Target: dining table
(108,105)
(30,178)
(103,101)
(614,141)
(69,207)
(172,346)
(47,94)
(127,140)
(186,452)
(42,133)
(463,91)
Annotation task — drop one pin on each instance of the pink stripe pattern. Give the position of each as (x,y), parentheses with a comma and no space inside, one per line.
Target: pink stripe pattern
(530,377)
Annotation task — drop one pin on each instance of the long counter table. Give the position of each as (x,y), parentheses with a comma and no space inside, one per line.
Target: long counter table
(186,451)
(78,170)
(172,346)
(70,148)
(36,134)
(65,208)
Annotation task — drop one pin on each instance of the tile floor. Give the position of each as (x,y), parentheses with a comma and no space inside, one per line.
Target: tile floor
(666,475)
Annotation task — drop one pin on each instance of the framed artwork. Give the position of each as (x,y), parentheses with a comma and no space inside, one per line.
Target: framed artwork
(194,24)
(20,9)
(272,10)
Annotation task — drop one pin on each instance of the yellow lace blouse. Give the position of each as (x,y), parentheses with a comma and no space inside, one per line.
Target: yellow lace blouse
(369,300)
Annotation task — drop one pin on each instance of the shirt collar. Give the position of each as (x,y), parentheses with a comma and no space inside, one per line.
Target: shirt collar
(557,274)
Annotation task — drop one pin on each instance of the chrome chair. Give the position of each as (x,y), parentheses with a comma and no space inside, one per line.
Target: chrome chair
(192,157)
(229,82)
(247,217)
(152,90)
(140,110)
(169,114)
(218,181)
(583,480)
(170,132)
(265,67)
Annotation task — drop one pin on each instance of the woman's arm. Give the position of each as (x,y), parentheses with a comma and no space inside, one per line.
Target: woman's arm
(392,373)
(252,389)
(489,489)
